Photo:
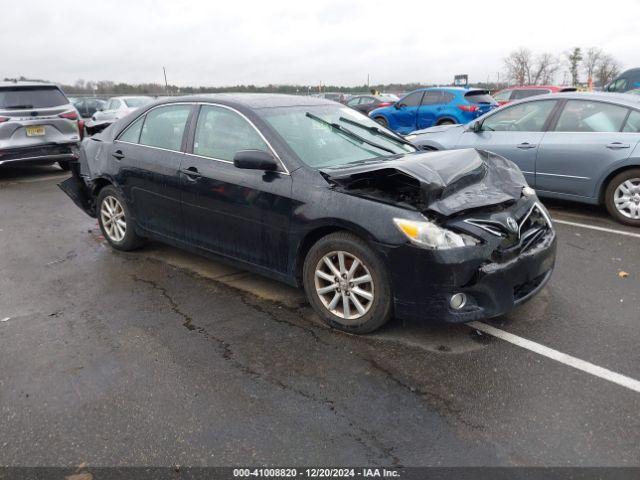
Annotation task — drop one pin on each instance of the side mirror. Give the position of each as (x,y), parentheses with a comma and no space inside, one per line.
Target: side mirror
(255,160)
(476,127)
(399,105)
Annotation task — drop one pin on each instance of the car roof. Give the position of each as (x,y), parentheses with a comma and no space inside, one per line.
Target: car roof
(28,84)
(619,98)
(253,100)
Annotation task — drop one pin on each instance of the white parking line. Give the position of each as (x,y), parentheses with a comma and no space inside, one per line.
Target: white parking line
(600,229)
(574,362)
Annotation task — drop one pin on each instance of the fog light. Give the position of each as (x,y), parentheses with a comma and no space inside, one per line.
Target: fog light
(458,301)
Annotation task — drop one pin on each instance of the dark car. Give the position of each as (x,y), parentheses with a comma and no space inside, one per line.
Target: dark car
(366,103)
(87,106)
(311,193)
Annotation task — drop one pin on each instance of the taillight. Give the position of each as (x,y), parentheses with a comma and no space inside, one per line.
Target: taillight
(69,115)
(469,108)
(3,119)
(81,128)
(384,104)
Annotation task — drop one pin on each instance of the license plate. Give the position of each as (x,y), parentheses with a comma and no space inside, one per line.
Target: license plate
(35,131)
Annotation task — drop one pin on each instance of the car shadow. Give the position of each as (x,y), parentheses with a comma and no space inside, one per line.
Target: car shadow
(15,172)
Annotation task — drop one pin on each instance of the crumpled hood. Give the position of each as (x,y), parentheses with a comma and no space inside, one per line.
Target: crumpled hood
(445,182)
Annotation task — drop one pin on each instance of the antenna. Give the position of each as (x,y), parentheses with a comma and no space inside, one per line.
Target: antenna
(166,86)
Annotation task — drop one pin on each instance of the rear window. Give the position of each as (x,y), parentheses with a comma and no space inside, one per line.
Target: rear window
(31,97)
(526,93)
(479,97)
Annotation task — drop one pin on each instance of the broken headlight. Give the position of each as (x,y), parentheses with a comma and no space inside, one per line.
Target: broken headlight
(429,235)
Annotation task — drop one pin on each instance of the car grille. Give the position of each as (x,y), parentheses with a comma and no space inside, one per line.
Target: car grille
(523,234)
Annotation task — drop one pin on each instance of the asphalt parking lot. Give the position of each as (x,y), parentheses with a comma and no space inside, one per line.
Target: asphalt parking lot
(160,357)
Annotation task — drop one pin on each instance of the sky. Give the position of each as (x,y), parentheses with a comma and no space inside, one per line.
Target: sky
(211,43)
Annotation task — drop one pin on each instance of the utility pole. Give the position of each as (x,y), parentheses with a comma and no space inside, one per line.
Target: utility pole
(166,85)
(368,84)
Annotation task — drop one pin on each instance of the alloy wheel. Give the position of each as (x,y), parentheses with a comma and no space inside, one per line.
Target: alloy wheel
(344,285)
(112,217)
(626,198)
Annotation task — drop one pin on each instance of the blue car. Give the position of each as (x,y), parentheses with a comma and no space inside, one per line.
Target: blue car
(426,107)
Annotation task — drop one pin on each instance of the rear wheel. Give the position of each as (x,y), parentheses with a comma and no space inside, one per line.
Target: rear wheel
(115,220)
(347,284)
(382,121)
(446,122)
(622,197)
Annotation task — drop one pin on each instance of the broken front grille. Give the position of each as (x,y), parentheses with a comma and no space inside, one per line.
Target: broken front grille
(518,235)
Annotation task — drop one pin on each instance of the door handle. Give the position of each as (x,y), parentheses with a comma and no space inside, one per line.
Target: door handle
(191,173)
(118,154)
(618,145)
(526,146)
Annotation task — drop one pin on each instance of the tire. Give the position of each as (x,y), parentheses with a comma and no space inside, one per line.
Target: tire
(64,165)
(629,212)
(446,122)
(382,121)
(121,235)
(374,296)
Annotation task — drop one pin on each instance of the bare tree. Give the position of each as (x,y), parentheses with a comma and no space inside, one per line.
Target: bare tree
(591,60)
(544,69)
(518,66)
(574,57)
(606,69)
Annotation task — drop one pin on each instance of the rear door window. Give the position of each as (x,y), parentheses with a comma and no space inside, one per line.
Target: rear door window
(221,133)
(132,133)
(164,127)
(587,116)
(31,97)
(432,98)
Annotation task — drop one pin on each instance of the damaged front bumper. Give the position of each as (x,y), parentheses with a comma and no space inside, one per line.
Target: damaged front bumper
(424,281)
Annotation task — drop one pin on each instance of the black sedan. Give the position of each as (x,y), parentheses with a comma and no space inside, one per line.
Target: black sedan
(312,193)
(366,103)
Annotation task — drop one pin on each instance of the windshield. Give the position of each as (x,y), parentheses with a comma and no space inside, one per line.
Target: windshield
(31,97)
(136,102)
(353,139)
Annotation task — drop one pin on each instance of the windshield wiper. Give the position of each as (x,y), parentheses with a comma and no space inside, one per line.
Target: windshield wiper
(378,131)
(16,107)
(348,132)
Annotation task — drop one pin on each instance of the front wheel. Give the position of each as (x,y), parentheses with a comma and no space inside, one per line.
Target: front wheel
(347,284)
(622,197)
(116,222)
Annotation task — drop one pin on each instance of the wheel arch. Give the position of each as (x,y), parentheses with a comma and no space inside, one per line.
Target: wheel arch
(602,188)
(312,236)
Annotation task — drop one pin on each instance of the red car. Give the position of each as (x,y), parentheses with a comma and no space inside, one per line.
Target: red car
(518,93)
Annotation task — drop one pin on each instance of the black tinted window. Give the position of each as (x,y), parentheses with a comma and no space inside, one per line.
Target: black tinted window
(586,116)
(518,94)
(31,97)
(412,100)
(479,97)
(164,127)
(221,133)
